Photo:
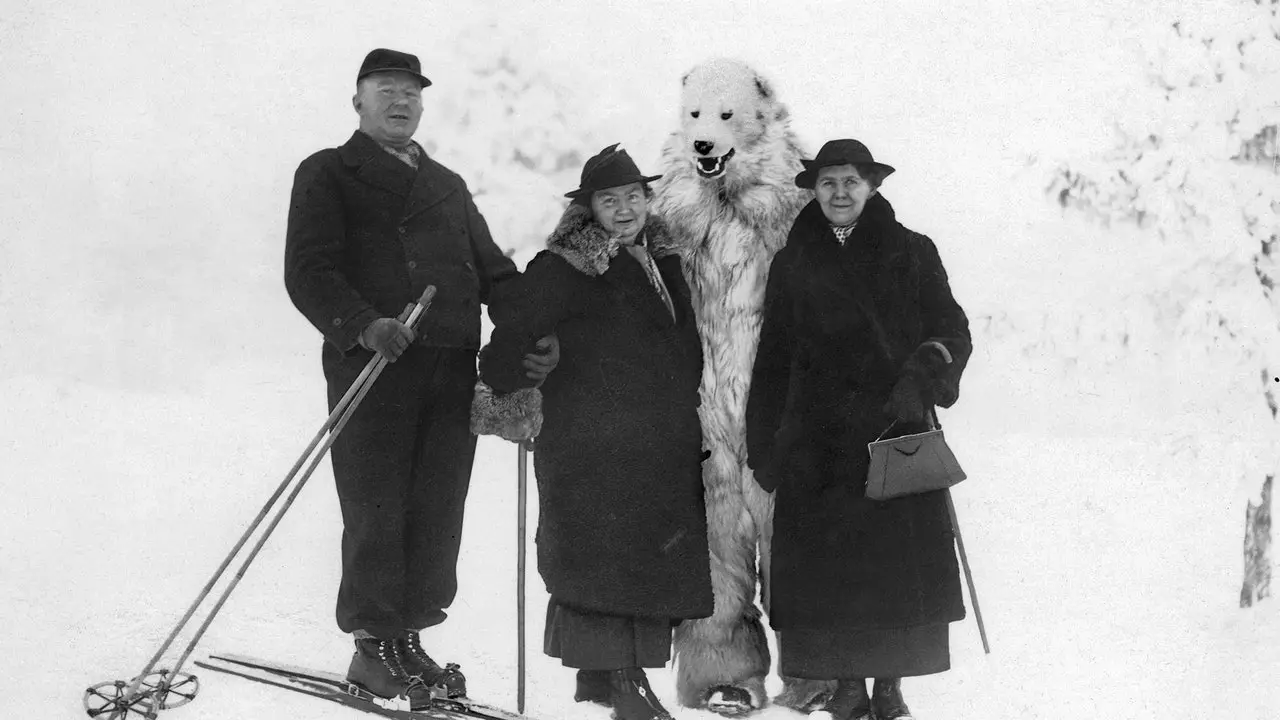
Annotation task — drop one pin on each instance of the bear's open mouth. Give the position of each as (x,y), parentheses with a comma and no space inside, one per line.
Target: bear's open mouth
(709,167)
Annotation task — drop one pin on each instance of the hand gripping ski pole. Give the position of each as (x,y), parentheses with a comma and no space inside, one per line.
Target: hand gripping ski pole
(153,690)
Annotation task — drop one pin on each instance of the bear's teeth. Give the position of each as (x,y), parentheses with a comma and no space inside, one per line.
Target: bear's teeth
(715,168)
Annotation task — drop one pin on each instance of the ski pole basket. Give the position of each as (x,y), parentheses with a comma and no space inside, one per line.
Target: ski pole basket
(153,690)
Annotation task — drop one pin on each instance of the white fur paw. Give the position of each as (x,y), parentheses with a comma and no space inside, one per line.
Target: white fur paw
(730,701)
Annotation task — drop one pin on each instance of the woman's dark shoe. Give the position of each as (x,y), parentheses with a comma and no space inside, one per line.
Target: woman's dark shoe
(593,686)
(632,698)
(416,661)
(887,702)
(848,702)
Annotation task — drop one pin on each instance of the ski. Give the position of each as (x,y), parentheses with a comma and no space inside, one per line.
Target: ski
(335,688)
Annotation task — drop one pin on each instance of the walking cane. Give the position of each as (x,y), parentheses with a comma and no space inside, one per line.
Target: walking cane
(968,574)
(155,697)
(522,457)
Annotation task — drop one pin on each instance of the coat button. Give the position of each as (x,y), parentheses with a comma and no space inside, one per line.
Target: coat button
(412,265)
(469,265)
(337,322)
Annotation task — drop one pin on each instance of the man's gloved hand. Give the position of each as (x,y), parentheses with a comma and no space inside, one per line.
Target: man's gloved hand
(540,364)
(388,337)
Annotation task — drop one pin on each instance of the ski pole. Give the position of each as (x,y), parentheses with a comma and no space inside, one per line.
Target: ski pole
(968,574)
(380,363)
(332,425)
(262,514)
(522,456)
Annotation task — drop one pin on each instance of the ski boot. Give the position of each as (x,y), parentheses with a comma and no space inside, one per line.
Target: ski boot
(447,681)
(376,668)
(887,702)
(632,698)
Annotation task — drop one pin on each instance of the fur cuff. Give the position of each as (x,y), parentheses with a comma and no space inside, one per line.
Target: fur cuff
(515,416)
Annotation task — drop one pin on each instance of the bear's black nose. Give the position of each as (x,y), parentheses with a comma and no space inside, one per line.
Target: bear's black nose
(703,146)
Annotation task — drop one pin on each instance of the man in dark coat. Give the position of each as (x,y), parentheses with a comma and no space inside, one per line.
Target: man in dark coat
(371,224)
(861,338)
(622,527)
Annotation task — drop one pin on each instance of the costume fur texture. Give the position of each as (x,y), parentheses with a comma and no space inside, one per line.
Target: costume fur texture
(729,198)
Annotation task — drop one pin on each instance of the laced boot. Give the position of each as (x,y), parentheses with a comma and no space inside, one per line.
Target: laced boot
(632,698)
(376,667)
(593,686)
(887,702)
(416,661)
(848,702)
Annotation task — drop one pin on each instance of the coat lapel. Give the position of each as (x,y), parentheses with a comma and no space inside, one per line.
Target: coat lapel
(626,274)
(429,186)
(851,285)
(375,166)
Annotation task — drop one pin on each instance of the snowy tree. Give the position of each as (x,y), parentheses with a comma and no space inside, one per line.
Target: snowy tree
(512,132)
(1196,163)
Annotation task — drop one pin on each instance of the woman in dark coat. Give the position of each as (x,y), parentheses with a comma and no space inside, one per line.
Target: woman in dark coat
(622,537)
(860,335)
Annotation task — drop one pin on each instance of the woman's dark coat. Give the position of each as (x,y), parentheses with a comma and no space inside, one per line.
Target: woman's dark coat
(842,325)
(622,523)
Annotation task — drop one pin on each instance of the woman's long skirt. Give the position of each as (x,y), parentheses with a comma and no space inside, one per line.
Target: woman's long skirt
(592,641)
(836,652)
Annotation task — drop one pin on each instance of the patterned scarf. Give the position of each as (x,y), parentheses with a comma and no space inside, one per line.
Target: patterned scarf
(842,231)
(641,253)
(409,155)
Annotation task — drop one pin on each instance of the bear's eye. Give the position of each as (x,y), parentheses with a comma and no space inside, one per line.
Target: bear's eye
(726,115)
(694,114)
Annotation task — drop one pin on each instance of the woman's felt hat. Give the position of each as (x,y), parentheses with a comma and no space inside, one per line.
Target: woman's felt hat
(609,168)
(837,152)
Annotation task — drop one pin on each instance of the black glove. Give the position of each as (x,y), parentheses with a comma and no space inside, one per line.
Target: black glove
(908,400)
(771,473)
(540,364)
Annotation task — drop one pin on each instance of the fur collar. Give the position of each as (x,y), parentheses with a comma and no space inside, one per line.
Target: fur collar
(877,217)
(587,246)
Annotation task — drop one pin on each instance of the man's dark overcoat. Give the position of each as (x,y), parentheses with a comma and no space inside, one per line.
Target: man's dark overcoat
(367,233)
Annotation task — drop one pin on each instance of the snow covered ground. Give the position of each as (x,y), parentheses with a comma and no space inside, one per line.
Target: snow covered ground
(157,384)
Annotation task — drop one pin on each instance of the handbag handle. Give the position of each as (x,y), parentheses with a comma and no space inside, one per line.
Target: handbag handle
(886,430)
(937,425)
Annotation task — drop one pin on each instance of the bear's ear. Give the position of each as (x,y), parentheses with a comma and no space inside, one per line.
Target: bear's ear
(763,87)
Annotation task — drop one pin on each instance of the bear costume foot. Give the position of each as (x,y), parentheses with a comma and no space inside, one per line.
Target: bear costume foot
(729,701)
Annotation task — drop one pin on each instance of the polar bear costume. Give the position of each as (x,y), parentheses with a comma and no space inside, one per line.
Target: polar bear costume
(729,197)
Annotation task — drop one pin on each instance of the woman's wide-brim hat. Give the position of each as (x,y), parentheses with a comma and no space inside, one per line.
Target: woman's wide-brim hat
(609,168)
(837,152)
